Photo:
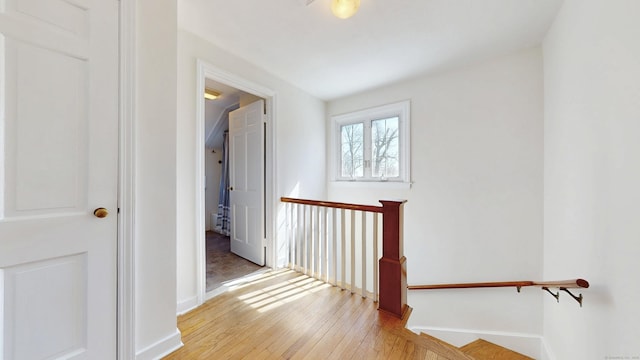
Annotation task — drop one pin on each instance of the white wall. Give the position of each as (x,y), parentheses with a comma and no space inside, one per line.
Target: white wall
(474,212)
(300,142)
(592,177)
(155,211)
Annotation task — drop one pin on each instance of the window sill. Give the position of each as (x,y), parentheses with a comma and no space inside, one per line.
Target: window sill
(371,184)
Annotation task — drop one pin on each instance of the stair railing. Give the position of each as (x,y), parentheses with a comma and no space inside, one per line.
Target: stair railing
(563,285)
(334,242)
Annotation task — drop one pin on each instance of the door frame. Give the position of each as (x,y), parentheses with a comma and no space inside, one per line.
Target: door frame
(125,257)
(206,70)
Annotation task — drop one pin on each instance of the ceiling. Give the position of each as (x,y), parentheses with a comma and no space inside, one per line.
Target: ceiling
(228,95)
(386,41)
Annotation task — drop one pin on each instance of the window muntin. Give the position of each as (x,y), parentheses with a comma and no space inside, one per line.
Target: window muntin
(372,145)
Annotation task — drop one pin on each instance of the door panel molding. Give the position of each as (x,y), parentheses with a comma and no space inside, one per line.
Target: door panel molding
(246,154)
(55,308)
(60,162)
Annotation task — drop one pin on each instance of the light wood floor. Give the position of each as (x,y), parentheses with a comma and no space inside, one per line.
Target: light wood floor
(286,315)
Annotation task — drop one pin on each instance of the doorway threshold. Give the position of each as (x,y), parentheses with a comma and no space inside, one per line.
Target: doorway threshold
(235,283)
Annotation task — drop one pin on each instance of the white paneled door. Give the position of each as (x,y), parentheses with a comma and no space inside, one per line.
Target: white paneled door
(246,178)
(58,178)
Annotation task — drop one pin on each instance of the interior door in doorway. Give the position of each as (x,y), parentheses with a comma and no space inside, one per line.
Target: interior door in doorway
(58,163)
(246,178)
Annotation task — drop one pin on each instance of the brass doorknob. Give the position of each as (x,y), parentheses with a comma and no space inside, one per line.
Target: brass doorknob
(100,213)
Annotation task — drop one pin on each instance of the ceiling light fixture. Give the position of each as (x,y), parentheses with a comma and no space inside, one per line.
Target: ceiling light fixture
(210,94)
(344,8)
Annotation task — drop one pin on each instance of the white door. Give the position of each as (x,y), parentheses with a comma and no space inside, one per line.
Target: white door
(58,162)
(246,178)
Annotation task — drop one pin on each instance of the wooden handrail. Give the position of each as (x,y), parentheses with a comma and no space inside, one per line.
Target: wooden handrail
(331,204)
(471,285)
(567,284)
(392,270)
(563,285)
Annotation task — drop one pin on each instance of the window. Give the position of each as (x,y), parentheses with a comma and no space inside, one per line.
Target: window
(372,145)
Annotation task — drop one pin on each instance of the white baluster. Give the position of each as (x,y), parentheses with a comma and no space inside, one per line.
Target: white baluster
(334,245)
(375,257)
(353,251)
(343,255)
(364,254)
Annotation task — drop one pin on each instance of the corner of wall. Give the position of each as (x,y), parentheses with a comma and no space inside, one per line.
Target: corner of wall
(545,350)
(161,348)
(187,305)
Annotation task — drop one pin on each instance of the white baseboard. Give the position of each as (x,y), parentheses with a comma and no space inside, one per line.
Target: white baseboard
(187,305)
(527,344)
(545,351)
(161,348)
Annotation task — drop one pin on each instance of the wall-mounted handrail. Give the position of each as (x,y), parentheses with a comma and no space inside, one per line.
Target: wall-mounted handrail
(562,285)
(577,283)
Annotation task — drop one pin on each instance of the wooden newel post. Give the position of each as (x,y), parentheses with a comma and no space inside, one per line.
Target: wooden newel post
(393,270)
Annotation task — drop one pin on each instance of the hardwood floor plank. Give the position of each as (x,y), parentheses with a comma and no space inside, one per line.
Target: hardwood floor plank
(347,336)
(243,334)
(408,351)
(397,352)
(420,353)
(272,322)
(482,349)
(300,323)
(316,329)
(263,354)
(286,315)
(339,327)
(366,347)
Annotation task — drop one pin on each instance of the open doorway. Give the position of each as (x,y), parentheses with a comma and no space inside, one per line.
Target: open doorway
(217,265)
(223,264)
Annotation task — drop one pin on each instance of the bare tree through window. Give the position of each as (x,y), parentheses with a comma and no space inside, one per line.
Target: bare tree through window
(384,147)
(352,150)
(372,145)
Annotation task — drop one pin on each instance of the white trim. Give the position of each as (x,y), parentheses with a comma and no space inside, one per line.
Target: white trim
(2,126)
(126,184)
(525,343)
(206,70)
(2,310)
(371,184)
(402,109)
(187,305)
(545,350)
(161,348)
(201,279)
(271,175)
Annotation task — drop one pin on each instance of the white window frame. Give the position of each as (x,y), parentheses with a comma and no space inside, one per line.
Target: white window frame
(400,109)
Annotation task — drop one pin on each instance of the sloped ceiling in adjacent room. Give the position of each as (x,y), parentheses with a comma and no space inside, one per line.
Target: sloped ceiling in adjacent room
(216,112)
